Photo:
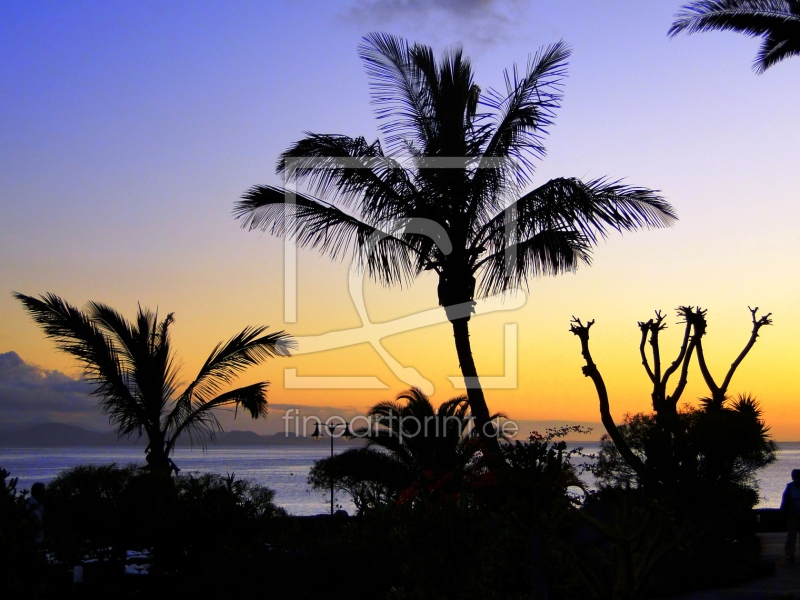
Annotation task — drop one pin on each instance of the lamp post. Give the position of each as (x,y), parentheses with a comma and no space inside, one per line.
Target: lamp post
(331,427)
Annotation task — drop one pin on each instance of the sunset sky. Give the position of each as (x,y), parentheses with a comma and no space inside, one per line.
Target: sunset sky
(129,129)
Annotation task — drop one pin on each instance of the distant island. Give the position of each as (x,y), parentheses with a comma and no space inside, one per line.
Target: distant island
(61,435)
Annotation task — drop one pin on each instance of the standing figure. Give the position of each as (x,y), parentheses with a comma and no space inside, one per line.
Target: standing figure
(36,508)
(790,504)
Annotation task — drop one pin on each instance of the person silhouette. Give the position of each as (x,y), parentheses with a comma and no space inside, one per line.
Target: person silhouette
(790,505)
(36,508)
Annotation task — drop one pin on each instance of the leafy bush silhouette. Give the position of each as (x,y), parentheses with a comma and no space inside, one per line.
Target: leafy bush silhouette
(690,471)
(22,559)
(185,518)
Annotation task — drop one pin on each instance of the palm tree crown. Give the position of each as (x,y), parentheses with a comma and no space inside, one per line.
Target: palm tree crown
(421,437)
(777,22)
(133,370)
(412,448)
(444,189)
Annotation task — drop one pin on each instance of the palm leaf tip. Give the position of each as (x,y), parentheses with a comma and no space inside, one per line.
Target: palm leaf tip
(751,17)
(284,343)
(624,207)
(246,349)
(253,399)
(776,22)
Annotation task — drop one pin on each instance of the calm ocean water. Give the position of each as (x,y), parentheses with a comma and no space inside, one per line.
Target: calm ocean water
(283,469)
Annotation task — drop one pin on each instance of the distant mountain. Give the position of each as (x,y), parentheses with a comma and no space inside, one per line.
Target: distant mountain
(56,435)
(59,435)
(235,438)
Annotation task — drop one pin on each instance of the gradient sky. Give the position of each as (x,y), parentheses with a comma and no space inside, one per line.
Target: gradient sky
(130,128)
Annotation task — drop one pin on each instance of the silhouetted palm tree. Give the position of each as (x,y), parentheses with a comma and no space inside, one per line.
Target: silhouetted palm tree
(420,447)
(448,196)
(134,373)
(421,437)
(777,22)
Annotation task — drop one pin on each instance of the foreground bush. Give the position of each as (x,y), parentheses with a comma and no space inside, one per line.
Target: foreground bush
(677,486)
(185,518)
(495,527)
(20,555)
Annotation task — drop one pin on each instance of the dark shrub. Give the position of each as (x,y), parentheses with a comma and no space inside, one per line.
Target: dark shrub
(92,508)
(21,557)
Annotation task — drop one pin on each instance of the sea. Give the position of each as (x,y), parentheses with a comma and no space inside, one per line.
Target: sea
(285,470)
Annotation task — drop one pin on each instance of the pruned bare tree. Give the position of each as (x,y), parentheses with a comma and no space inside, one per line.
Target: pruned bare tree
(665,459)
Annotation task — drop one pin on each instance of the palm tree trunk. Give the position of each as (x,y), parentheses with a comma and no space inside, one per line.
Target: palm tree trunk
(157,455)
(477,401)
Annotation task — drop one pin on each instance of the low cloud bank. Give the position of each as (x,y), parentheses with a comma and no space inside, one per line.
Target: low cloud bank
(485,22)
(31,394)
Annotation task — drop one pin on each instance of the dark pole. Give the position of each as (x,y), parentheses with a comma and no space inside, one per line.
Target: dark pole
(330,433)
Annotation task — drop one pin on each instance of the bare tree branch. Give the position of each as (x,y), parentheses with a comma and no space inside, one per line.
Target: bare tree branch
(590,370)
(684,357)
(758,323)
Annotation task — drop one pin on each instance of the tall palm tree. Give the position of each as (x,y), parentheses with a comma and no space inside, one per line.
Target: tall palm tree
(448,196)
(777,22)
(135,375)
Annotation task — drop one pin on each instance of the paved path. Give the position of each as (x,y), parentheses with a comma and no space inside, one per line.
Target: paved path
(783,585)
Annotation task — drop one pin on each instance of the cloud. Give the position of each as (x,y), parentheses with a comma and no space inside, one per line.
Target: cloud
(30,394)
(482,22)
(403,8)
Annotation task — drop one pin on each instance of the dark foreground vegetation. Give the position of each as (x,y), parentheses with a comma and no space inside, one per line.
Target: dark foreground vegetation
(449,515)
(512,523)
(442,512)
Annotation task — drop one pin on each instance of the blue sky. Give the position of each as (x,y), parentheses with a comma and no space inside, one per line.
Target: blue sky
(130,128)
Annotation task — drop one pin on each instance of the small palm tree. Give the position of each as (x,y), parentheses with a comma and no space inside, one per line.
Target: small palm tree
(413,447)
(134,373)
(421,437)
(448,196)
(777,22)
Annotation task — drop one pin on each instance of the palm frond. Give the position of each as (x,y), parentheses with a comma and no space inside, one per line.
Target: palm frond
(164,358)
(546,253)
(420,437)
(417,403)
(777,47)
(526,109)
(389,431)
(591,208)
(244,350)
(146,352)
(318,224)
(350,171)
(776,21)
(117,327)
(226,361)
(400,87)
(514,135)
(454,100)
(75,333)
(200,422)
(751,17)
(458,406)
(386,408)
